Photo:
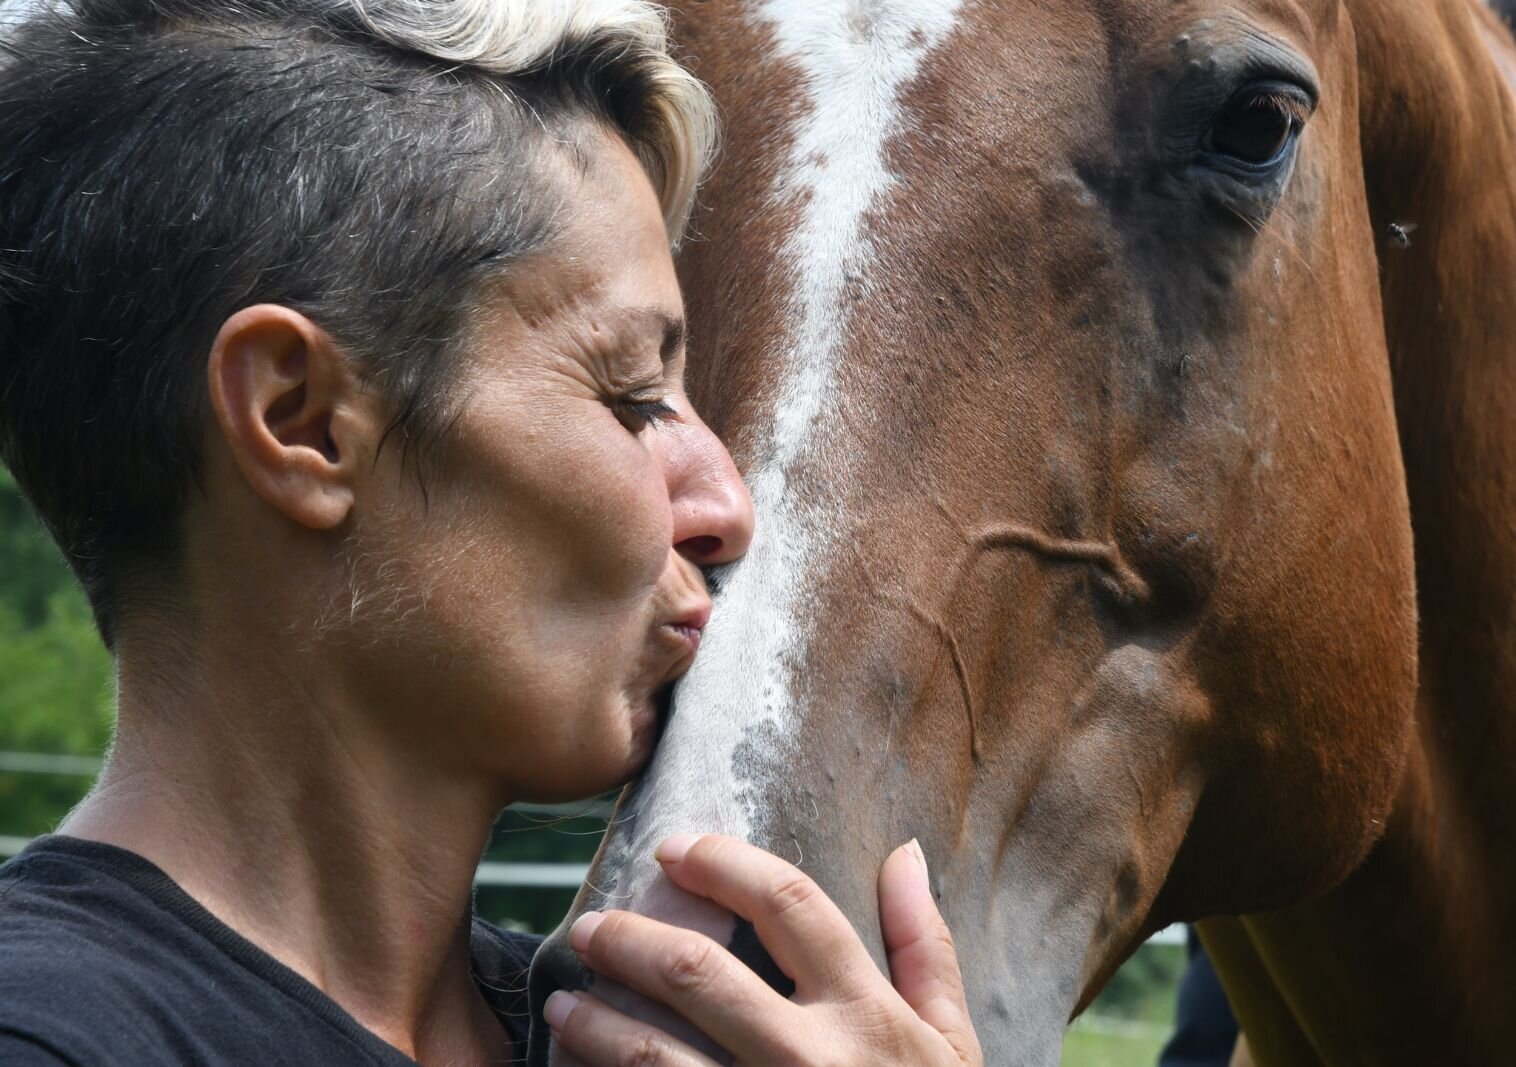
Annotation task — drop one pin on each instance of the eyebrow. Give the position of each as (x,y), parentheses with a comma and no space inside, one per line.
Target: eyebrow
(672,326)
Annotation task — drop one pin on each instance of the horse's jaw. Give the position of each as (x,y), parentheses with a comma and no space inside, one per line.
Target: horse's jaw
(1024,945)
(1030,948)
(1033,924)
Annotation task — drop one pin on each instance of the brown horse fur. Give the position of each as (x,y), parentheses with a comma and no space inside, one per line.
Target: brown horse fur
(1410,959)
(1108,583)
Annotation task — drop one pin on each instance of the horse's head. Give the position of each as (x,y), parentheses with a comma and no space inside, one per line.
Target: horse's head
(1049,338)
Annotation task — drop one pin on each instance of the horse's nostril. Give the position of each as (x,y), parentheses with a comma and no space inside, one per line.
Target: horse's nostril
(556,966)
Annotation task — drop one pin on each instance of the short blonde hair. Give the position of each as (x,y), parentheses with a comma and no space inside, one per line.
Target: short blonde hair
(674,131)
(378,165)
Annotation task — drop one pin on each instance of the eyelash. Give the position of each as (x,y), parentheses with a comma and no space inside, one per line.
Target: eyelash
(646,412)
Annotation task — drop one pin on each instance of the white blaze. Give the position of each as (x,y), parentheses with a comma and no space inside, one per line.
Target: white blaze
(854,58)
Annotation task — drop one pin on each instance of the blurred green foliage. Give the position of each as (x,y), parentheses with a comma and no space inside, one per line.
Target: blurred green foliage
(1143,989)
(1132,1017)
(54,672)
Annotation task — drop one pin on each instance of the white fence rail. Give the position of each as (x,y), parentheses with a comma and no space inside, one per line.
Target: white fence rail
(89,766)
(515,875)
(490,873)
(43,763)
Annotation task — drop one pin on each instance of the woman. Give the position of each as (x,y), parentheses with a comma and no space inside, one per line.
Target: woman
(341,351)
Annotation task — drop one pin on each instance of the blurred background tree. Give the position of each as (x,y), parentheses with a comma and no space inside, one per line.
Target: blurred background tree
(54,673)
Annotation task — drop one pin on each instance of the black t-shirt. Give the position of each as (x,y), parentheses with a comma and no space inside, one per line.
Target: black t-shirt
(105,960)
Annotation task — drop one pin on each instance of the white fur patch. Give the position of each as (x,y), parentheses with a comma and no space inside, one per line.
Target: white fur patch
(730,741)
(854,58)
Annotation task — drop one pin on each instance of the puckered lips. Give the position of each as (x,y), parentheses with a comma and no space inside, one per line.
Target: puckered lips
(676,640)
(681,632)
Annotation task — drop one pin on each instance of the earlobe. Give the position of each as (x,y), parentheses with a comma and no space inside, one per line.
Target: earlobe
(278,384)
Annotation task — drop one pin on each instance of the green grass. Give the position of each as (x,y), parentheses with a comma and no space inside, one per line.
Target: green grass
(1129,1022)
(1083,1047)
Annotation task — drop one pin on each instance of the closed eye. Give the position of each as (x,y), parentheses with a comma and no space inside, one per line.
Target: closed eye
(637,415)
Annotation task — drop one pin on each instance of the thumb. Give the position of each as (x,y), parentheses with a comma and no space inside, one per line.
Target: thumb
(923,962)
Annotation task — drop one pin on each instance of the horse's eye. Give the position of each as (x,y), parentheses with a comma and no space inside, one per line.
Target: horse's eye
(1256,125)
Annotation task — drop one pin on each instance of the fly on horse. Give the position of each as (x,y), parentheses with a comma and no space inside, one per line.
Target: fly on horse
(1126,389)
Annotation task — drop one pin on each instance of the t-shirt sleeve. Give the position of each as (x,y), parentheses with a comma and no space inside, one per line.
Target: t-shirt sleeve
(18,1050)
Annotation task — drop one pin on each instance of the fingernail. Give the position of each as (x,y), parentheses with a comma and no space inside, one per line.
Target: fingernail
(583,929)
(915,848)
(673,849)
(558,1008)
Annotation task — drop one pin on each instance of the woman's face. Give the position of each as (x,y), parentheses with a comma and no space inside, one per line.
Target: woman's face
(529,610)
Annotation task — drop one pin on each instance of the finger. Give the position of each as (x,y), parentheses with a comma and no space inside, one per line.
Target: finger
(600,1036)
(923,961)
(806,934)
(691,974)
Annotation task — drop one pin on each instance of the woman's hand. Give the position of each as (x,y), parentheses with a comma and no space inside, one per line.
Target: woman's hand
(843,1010)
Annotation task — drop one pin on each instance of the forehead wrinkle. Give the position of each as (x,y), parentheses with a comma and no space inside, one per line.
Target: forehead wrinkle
(657,322)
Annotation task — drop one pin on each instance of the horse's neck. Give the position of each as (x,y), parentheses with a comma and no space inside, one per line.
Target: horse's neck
(1409,961)
(1450,319)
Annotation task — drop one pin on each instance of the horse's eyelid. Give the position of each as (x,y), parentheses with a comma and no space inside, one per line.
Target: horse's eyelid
(1287,104)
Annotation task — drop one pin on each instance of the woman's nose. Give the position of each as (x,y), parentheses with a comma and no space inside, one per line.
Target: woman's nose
(713,513)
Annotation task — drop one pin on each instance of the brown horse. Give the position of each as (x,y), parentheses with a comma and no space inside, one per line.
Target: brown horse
(1092,365)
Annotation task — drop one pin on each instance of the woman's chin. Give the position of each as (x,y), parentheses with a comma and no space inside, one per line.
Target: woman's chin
(645,722)
(602,769)
(645,726)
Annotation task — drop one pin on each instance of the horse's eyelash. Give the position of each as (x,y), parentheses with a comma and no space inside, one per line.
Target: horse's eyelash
(1284,104)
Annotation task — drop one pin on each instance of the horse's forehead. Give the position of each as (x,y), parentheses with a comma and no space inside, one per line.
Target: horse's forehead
(737,716)
(859,41)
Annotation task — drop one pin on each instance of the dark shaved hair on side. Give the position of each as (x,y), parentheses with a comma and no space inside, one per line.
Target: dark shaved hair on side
(164,163)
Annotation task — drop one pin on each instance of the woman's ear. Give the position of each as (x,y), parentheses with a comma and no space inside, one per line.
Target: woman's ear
(293,412)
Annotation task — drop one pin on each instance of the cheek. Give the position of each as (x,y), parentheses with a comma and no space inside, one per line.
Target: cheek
(555,511)
(578,505)
(618,523)
(634,492)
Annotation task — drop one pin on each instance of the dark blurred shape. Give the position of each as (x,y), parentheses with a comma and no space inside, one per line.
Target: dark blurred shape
(1205,1030)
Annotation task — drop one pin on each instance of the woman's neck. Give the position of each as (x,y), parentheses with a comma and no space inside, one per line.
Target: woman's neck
(255,782)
